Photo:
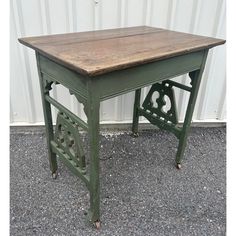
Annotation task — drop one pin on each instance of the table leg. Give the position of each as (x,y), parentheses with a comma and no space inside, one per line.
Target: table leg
(45,87)
(93,132)
(153,110)
(135,112)
(195,81)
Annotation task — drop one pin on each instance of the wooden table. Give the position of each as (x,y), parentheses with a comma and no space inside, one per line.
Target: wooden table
(98,65)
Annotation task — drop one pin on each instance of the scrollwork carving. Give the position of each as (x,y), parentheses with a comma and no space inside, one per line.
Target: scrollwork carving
(47,85)
(155,103)
(68,139)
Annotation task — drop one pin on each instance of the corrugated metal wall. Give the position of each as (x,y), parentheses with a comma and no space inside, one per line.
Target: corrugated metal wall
(39,17)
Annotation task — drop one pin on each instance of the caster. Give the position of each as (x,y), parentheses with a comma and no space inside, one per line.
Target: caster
(135,135)
(97,224)
(178,166)
(54,175)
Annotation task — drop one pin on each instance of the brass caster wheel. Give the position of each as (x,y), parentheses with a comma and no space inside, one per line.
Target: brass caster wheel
(97,224)
(54,175)
(178,166)
(135,135)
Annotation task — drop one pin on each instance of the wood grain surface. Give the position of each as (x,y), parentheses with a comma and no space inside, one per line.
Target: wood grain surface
(97,52)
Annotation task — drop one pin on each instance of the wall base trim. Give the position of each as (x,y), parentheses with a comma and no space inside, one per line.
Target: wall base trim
(114,126)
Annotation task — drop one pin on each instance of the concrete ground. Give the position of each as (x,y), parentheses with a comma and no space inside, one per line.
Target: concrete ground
(142,193)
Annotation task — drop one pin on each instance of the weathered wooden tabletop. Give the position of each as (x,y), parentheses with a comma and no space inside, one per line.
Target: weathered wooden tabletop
(98,52)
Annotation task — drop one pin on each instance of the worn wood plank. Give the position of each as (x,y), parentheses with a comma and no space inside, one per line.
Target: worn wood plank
(79,37)
(99,52)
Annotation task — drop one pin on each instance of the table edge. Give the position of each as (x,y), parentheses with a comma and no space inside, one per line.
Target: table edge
(96,72)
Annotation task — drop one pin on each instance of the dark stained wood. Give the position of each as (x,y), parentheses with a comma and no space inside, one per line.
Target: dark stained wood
(98,52)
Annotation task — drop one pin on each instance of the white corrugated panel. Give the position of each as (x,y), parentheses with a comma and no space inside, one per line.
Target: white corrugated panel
(39,17)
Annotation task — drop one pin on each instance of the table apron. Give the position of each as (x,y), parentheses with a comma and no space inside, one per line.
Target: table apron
(76,83)
(123,81)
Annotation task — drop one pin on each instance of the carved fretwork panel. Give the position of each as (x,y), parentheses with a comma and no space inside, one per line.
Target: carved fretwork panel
(155,103)
(68,139)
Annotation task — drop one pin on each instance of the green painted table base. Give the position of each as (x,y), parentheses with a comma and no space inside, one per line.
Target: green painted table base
(65,142)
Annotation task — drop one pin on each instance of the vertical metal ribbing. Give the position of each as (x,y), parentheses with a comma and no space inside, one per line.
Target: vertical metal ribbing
(97,25)
(120,101)
(221,32)
(205,88)
(148,13)
(171,13)
(47,28)
(72,27)
(147,21)
(221,106)
(27,83)
(182,101)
